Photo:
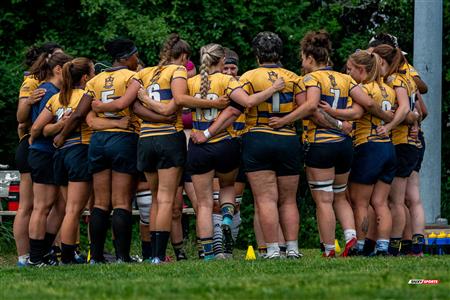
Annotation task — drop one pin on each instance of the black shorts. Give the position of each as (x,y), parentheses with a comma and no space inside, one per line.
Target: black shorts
(223,157)
(266,151)
(407,159)
(161,152)
(373,162)
(421,152)
(41,164)
(113,150)
(337,155)
(241,177)
(22,155)
(71,164)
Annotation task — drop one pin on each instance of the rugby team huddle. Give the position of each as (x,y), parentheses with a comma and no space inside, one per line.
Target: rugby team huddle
(99,138)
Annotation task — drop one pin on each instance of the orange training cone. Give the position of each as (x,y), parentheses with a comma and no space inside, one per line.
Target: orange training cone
(250,253)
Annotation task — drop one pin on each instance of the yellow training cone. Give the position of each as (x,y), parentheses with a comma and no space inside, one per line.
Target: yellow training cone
(250,254)
(337,247)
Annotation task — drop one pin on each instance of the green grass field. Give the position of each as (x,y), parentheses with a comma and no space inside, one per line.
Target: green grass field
(309,278)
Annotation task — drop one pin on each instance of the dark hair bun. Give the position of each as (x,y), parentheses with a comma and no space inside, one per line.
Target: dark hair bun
(119,47)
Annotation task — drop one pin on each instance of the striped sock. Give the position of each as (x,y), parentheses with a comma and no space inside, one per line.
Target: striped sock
(217,234)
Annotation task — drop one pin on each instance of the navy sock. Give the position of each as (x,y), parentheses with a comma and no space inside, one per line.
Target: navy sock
(406,247)
(394,246)
(418,242)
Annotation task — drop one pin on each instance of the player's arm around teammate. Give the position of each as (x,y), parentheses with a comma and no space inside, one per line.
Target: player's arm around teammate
(49,68)
(407,153)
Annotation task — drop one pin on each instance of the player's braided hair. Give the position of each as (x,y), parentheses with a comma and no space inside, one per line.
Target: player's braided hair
(210,55)
(268,47)
(317,44)
(173,48)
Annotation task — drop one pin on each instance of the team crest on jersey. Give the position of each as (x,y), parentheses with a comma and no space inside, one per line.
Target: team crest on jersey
(307,78)
(390,79)
(383,92)
(109,82)
(332,80)
(272,76)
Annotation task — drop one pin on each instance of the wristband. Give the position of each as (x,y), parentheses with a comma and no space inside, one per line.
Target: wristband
(339,124)
(207,134)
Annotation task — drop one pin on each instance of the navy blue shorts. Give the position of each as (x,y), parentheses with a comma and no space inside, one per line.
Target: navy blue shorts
(407,159)
(266,151)
(161,152)
(223,157)
(337,155)
(113,150)
(41,164)
(373,162)
(22,155)
(421,152)
(71,164)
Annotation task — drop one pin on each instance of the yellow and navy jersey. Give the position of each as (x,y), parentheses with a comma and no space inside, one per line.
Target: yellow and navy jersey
(29,84)
(239,125)
(407,68)
(157,81)
(81,135)
(108,86)
(365,129)
(402,133)
(280,104)
(335,89)
(219,85)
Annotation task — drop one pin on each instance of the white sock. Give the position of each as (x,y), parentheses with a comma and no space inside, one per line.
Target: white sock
(272,248)
(349,234)
(23,258)
(329,248)
(360,245)
(382,245)
(292,246)
(235,225)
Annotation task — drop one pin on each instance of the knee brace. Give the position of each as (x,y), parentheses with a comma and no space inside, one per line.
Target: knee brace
(324,185)
(339,188)
(144,203)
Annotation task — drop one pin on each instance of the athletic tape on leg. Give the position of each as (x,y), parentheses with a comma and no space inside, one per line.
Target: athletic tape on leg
(324,186)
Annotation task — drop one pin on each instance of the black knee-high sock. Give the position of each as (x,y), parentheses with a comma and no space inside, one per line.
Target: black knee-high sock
(49,240)
(154,241)
(37,250)
(159,244)
(68,253)
(98,227)
(146,249)
(185,225)
(122,227)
